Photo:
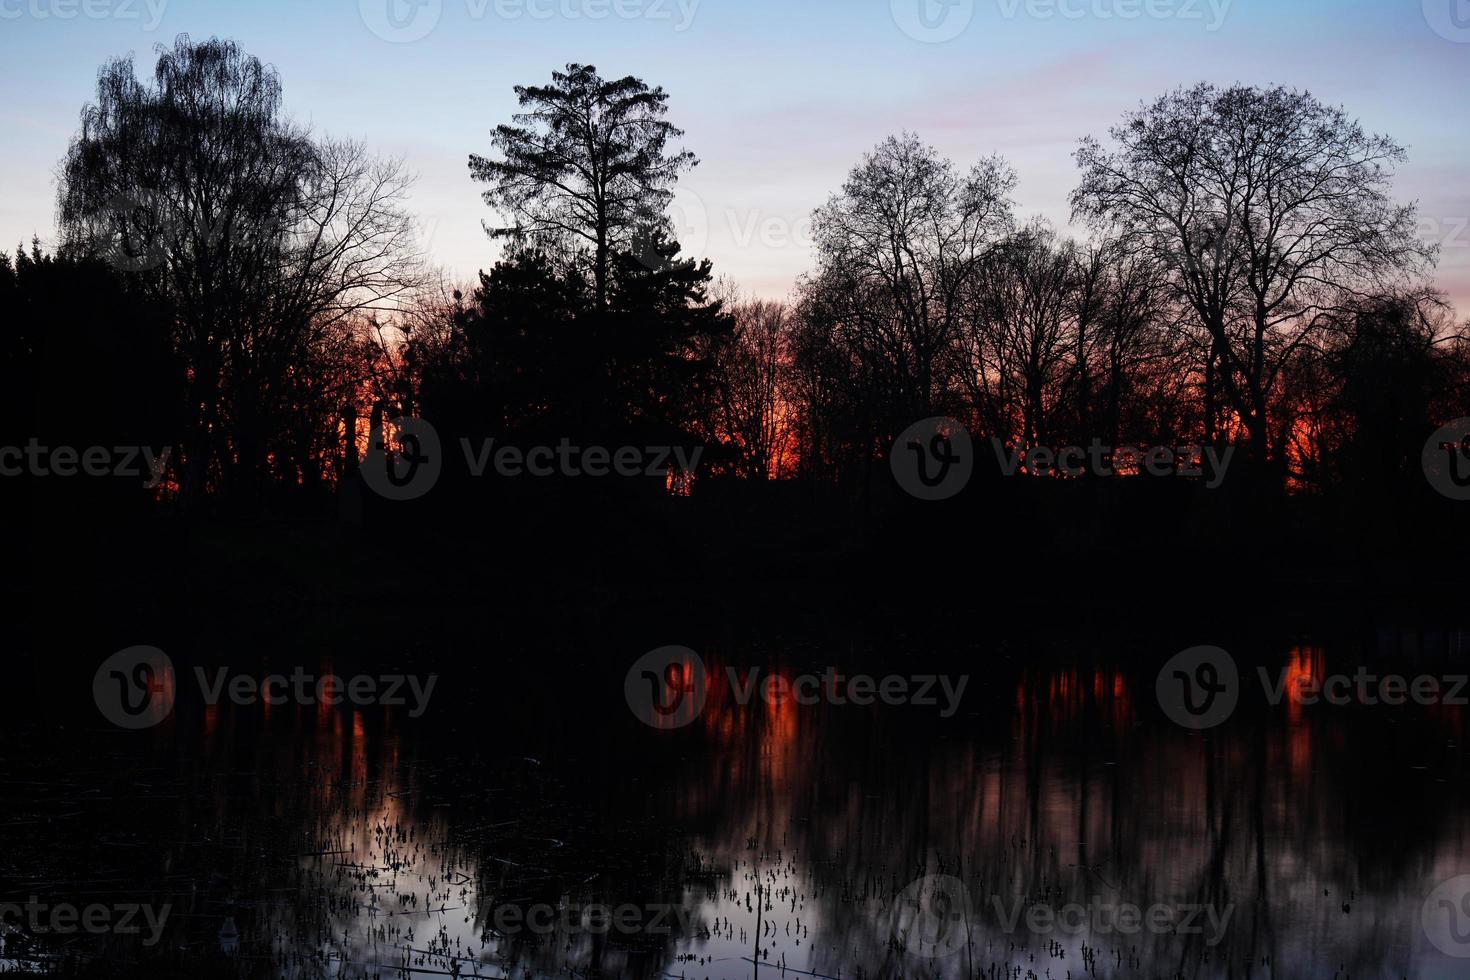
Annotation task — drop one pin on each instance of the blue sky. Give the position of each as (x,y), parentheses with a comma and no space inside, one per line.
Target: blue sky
(779,99)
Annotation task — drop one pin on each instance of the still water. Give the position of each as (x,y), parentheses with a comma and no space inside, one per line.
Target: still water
(1056,824)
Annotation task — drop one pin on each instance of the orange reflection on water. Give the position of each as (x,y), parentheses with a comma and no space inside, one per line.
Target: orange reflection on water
(769,724)
(760,750)
(1305,668)
(327,691)
(672,692)
(1064,697)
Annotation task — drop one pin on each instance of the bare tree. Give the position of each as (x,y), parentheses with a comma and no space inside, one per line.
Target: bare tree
(1140,391)
(896,250)
(263,241)
(1022,335)
(752,408)
(1268,209)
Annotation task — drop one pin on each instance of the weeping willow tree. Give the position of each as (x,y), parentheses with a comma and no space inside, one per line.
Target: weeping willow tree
(264,242)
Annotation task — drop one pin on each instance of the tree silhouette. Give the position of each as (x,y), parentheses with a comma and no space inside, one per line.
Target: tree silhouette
(896,249)
(1026,336)
(585,166)
(263,242)
(1249,279)
(541,362)
(749,406)
(87,360)
(1268,208)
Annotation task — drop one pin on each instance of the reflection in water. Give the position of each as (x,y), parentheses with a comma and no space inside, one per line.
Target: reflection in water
(1020,838)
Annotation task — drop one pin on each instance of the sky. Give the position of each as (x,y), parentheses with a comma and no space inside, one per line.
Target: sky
(778,98)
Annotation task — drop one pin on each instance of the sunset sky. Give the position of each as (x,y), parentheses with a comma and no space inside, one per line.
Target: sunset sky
(779,99)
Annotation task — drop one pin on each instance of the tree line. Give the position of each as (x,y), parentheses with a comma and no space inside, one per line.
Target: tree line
(252,293)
